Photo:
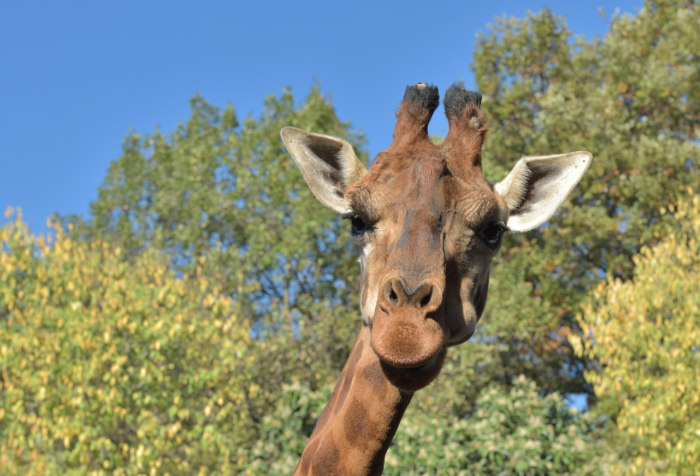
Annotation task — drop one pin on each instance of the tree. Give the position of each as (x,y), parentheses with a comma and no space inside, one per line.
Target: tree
(284,430)
(224,199)
(645,335)
(512,432)
(116,367)
(631,98)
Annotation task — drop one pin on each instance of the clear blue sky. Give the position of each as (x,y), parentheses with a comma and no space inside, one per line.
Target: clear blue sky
(76,76)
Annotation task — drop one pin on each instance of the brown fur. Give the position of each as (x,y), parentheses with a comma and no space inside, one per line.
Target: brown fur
(424,278)
(370,410)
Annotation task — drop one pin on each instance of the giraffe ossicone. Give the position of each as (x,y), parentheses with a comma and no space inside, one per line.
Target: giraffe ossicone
(428,224)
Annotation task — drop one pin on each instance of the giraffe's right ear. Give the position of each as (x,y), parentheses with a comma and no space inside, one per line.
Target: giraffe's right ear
(329,165)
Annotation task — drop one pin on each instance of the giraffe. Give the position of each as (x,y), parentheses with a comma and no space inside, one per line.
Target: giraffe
(428,224)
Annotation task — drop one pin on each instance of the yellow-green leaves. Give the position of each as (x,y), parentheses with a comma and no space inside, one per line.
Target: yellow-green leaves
(516,431)
(224,200)
(631,98)
(645,333)
(114,367)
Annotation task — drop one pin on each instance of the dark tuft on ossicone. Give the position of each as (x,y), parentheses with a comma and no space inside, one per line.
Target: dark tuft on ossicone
(457,98)
(423,95)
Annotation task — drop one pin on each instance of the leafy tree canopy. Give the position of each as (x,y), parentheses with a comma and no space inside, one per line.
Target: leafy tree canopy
(222,200)
(112,367)
(645,333)
(517,431)
(632,99)
(226,190)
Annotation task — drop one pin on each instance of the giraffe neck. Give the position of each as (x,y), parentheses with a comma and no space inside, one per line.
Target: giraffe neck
(356,427)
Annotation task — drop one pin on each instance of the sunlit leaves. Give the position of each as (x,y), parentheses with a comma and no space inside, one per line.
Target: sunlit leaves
(115,367)
(516,432)
(126,346)
(221,198)
(220,201)
(645,333)
(283,430)
(629,97)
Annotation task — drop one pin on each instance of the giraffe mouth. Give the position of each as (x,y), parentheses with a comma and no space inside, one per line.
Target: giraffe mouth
(410,344)
(411,379)
(406,338)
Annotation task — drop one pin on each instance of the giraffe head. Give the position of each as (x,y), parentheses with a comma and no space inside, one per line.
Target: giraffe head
(428,223)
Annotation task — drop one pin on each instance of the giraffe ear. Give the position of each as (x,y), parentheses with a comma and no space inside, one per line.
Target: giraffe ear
(538,185)
(329,165)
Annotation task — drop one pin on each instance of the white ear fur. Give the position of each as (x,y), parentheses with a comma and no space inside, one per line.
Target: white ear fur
(538,185)
(329,165)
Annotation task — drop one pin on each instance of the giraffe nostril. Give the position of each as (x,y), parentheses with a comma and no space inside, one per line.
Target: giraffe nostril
(426,299)
(393,294)
(393,298)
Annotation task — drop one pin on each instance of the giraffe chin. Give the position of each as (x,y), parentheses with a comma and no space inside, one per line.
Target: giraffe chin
(410,379)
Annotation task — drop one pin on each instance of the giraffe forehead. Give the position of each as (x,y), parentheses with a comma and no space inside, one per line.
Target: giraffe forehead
(399,183)
(417,185)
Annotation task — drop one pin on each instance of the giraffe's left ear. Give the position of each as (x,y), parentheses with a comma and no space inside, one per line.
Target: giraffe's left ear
(538,185)
(329,165)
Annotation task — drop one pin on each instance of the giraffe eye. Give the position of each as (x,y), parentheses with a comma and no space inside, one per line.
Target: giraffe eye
(491,234)
(358,226)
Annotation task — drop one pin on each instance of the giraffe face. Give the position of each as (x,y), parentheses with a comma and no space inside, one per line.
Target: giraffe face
(427,235)
(428,224)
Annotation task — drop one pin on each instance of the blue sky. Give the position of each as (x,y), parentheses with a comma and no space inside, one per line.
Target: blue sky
(76,76)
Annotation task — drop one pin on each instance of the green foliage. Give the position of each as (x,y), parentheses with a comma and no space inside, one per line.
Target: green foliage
(631,98)
(284,430)
(228,192)
(113,367)
(517,431)
(219,203)
(646,335)
(520,432)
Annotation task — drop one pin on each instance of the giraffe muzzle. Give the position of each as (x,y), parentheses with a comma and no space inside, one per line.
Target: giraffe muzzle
(407,330)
